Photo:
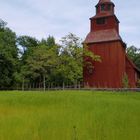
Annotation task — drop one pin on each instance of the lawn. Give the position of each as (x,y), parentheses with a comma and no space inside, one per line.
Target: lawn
(69,115)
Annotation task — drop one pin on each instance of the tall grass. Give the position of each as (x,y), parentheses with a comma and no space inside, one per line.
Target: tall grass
(69,115)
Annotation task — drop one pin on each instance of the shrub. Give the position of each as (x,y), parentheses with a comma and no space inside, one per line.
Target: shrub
(125,81)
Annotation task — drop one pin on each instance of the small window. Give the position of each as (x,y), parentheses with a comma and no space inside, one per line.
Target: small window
(101,21)
(102,7)
(109,7)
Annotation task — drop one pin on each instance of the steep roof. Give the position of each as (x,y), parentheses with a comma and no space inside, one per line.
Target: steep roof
(104,15)
(102,36)
(132,64)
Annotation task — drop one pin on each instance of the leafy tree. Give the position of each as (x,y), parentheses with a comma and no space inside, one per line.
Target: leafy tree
(26,45)
(2,25)
(70,68)
(34,68)
(41,63)
(50,43)
(134,54)
(27,42)
(8,56)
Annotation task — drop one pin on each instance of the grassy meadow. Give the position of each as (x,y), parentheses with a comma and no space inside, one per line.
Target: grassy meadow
(69,115)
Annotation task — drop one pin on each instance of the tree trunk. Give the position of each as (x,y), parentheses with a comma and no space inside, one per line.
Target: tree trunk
(23,84)
(44,82)
(63,86)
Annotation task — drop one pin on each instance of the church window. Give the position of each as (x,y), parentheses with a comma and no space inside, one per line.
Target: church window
(101,21)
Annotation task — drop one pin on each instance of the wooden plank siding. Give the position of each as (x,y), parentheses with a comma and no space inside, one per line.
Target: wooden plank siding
(104,40)
(110,71)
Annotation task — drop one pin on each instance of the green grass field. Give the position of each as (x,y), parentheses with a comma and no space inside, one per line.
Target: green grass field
(69,115)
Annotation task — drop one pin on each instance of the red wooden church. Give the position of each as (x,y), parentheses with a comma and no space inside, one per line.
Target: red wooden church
(105,41)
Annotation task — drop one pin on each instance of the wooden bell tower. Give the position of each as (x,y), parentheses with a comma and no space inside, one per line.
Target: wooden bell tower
(105,41)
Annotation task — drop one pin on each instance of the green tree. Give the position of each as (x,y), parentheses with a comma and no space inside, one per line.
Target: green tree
(50,43)
(27,42)
(26,46)
(2,25)
(134,54)
(41,63)
(8,56)
(70,68)
(34,68)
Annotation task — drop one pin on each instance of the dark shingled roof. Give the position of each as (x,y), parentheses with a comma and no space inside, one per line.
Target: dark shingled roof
(102,36)
(132,64)
(104,15)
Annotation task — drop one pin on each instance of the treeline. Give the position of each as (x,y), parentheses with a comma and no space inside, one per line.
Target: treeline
(26,61)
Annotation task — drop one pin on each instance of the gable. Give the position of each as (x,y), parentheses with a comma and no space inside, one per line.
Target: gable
(130,64)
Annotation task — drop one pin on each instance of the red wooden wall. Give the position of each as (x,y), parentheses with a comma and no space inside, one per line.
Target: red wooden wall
(112,23)
(110,71)
(131,73)
(105,41)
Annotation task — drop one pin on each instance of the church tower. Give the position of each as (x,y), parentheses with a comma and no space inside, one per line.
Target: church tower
(104,17)
(104,40)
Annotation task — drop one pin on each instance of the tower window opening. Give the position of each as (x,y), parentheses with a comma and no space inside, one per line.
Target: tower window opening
(102,7)
(101,21)
(97,9)
(109,7)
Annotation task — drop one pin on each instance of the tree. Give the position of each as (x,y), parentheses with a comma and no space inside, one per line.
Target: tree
(34,61)
(8,56)
(50,43)
(134,54)
(70,68)
(26,45)
(41,63)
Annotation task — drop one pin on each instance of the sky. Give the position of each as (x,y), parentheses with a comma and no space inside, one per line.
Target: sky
(41,18)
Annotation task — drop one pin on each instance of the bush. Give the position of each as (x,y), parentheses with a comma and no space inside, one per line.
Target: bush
(125,81)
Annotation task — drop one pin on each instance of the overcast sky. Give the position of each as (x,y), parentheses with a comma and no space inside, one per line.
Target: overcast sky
(40,18)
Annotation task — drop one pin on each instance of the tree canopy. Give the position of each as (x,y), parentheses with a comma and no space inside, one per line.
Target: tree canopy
(134,54)
(8,56)
(27,61)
